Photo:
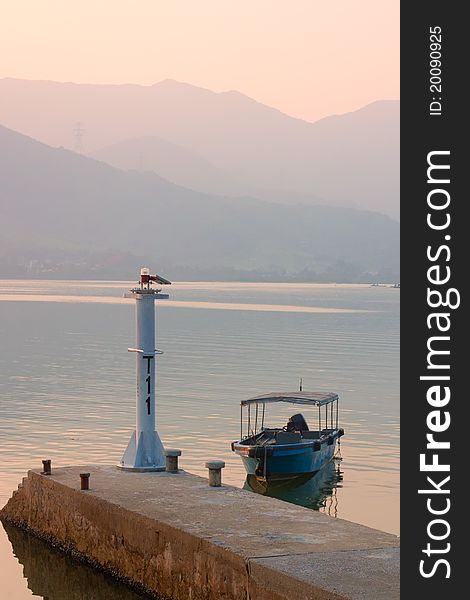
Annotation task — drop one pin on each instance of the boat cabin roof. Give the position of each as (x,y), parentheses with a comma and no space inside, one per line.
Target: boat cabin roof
(310,398)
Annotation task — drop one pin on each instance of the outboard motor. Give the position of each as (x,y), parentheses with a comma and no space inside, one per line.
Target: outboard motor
(297,423)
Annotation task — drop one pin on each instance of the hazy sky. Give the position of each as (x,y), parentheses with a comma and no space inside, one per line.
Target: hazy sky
(309,58)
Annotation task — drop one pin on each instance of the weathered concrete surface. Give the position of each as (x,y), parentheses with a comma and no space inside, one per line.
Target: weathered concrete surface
(179,537)
(358,574)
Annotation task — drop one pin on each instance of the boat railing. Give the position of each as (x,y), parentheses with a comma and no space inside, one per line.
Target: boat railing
(311,435)
(327,405)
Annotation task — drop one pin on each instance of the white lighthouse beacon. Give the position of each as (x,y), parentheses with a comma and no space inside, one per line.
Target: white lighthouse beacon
(144,451)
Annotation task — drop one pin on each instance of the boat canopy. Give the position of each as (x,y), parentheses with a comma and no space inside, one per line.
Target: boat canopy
(309,398)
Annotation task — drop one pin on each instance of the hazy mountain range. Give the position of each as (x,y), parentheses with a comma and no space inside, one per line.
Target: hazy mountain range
(223,143)
(65,215)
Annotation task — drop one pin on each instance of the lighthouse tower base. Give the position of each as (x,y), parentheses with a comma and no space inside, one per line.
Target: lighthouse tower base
(146,455)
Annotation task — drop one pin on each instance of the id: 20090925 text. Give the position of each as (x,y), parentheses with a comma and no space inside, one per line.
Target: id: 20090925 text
(435,70)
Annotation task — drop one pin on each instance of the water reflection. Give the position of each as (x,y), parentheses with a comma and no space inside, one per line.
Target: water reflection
(318,491)
(52,575)
(246,306)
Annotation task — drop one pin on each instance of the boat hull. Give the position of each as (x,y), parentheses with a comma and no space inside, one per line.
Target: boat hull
(285,462)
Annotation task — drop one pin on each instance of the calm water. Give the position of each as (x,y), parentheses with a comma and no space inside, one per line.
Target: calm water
(67,391)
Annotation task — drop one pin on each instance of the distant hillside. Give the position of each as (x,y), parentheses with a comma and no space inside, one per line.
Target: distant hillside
(174,163)
(347,160)
(63,214)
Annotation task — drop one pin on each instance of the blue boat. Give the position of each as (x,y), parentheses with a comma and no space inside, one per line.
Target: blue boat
(273,453)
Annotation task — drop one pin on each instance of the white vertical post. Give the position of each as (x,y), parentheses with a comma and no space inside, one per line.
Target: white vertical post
(144,451)
(145,363)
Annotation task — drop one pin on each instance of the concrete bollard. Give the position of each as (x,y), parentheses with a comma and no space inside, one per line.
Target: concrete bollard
(215,472)
(84,481)
(172,460)
(46,466)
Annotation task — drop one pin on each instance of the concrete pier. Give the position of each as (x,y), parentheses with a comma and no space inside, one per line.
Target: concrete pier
(179,538)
